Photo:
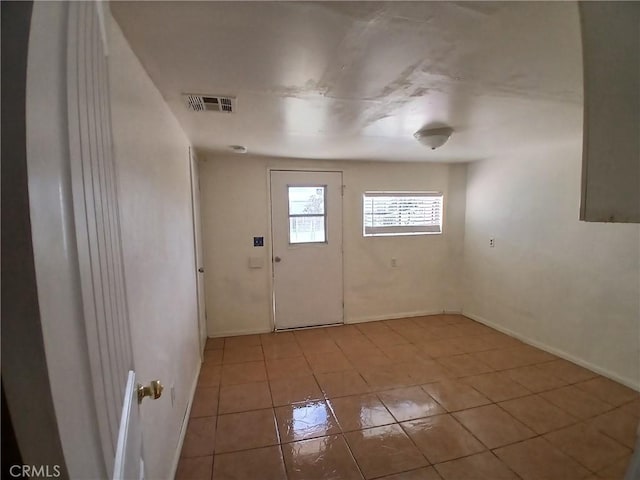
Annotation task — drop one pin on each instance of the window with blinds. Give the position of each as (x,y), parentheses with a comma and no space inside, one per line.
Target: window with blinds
(402,213)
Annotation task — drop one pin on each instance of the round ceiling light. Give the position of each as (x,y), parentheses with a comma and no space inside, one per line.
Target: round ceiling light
(433,137)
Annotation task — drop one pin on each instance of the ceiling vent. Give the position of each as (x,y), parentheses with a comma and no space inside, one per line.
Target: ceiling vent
(210,103)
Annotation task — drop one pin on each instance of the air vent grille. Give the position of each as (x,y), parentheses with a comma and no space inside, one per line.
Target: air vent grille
(210,103)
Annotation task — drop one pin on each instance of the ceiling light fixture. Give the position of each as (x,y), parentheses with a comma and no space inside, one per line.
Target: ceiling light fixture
(433,137)
(238,148)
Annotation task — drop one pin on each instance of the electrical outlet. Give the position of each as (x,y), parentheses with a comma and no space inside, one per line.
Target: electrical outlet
(394,262)
(492,242)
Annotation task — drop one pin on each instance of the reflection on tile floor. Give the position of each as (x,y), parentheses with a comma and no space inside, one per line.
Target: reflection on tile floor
(437,397)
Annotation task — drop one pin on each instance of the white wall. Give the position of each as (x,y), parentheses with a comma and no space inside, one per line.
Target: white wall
(569,286)
(235,208)
(151,152)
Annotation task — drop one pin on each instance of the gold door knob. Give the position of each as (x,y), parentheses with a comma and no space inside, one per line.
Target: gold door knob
(153,390)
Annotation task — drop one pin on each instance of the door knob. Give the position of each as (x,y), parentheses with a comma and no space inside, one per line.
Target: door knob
(277,259)
(153,390)
(201,270)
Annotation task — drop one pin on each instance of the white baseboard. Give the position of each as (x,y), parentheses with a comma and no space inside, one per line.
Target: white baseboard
(393,316)
(185,423)
(235,333)
(555,351)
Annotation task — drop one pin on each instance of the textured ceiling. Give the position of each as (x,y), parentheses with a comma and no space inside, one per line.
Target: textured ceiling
(355,80)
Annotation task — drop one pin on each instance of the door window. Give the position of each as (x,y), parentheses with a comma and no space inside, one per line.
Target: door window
(307,214)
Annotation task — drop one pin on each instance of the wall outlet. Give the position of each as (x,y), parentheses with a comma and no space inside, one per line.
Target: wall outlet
(492,242)
(394,262)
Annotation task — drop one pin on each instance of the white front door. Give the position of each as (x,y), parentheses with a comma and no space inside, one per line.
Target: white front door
(306,223)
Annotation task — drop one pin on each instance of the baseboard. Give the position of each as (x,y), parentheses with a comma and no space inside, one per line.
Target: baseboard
(393,316)
(235,333)
(185,423)
(555,351)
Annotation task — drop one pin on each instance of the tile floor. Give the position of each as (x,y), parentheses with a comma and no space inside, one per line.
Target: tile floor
(437,397)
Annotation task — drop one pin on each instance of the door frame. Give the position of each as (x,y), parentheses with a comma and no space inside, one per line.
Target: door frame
(196,216)
(270,270)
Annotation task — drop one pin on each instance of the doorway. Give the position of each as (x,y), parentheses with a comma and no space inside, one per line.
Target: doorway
(306,224)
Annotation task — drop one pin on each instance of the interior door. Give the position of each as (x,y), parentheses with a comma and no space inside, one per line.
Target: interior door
(306,223)
(128,461)
(197,239)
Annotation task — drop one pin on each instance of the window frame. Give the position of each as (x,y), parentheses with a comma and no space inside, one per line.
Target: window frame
(308,215)
(402,230)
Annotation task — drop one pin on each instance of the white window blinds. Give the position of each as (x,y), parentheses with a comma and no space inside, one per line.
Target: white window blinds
(402,213)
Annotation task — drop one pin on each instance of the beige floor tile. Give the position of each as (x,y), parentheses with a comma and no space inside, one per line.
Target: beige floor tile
(493,426)
(195,468)
(533,378)
(242,354)
(537,459)
(279,350)
(428,371)
(385,377)
(214,344)
(370,360)
(496,340)
(632,408)
(608,391)
(302,421)
(410,403)
(567,371)
(200,437)
(324,458)
(352,344)
(538,414)
(588,446)
(615,471)
(205,402)
(470,344)
(298,389)
(387,339)
(501,359)
(237,373)
(619,425)
(497,386)
(401,353)
(210,375)
(320,362)
(213,357)
(343,331)
(261,463)
(373,328)
(288,368)
(244,397)
(455,395)
(441,348)
(441,438)
(464,365)
(576,402)
(277,338)
(357,412)
(246,430)
(341,384)
(242,341)
(384,451)
(426,473)
(319,345)
(483,466)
